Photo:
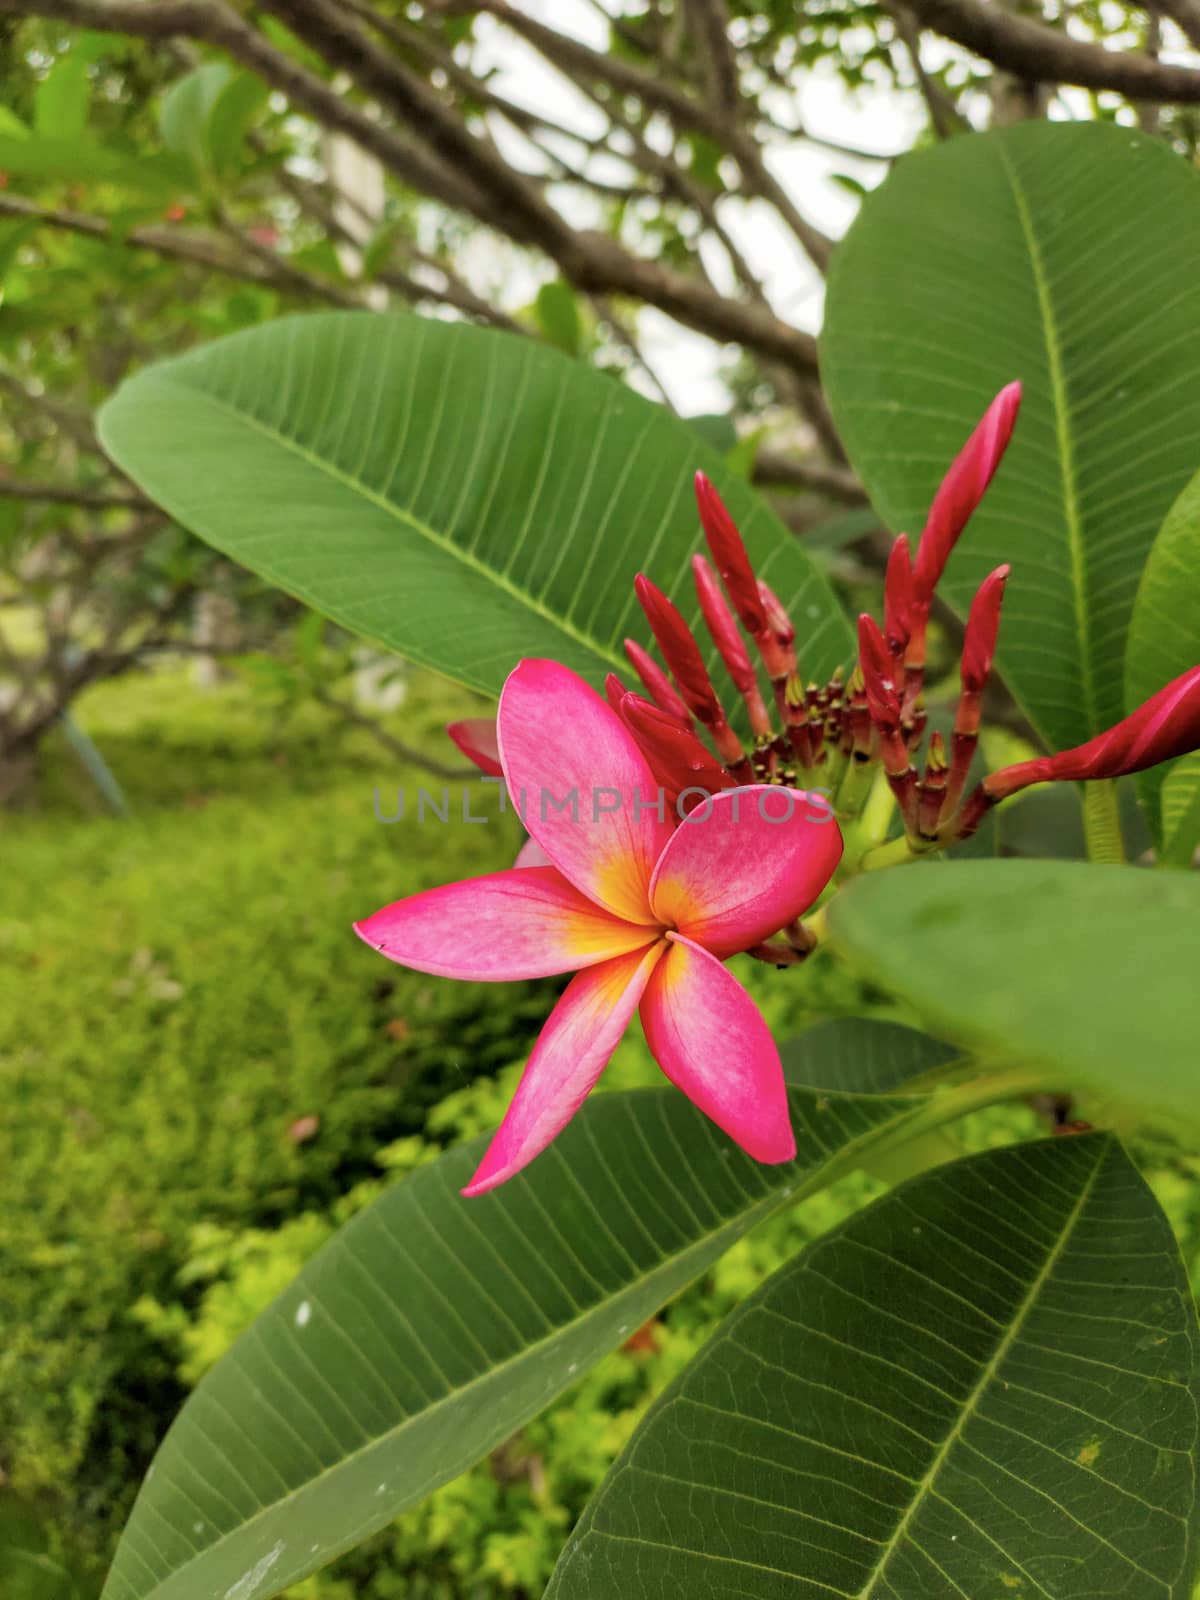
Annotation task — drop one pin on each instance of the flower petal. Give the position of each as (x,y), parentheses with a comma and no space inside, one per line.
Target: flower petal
(744,865)
(582,786)
(527,922)
(706,1034)
(476,738)
(531,854)
(581,1033)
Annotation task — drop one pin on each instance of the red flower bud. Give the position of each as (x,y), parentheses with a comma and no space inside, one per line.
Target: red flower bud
(720,623)
(898,596)
(962,489)
(680,650)
(476,738)
(729,555)
(677,758)
(878,667)
(1168,725)
(983,625)
(615,690)
(778,621)
(658,686)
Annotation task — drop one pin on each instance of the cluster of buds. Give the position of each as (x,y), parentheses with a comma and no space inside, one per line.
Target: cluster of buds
(831,736)
(837,736)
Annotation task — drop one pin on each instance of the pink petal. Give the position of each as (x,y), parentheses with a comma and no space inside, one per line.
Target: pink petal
(742,866)
(476,738)
(531,854)
(527,922)
(582,786)
(581,1033)
(706,1034)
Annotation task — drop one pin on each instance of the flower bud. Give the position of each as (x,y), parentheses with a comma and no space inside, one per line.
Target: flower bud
(476,738)
(983,625)
(898,596)
(878,667)
(719,621)
(729,556)
(680,650)
(962,489)
(676,756)
(658,686)
(615,691)
(1166,726)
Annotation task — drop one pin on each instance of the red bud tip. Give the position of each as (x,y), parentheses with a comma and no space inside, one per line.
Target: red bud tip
(1166,726)
(676,756)
(877,663)
(963,487)
(778,620)
(729,556)
(476,738)
(720,623)
(615,690)
(983,626)
(658,686)
(680,650)
(898,596)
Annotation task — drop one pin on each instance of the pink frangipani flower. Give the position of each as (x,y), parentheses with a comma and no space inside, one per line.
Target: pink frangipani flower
(642,907)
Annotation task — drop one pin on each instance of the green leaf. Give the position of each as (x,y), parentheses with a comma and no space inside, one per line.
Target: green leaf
(233,111)
(860,1055)
(77,161)
(61,101)
(431,1327)
(1181,811)
(1086,972)
(1164,640)
(185,110)
(557,312)
(982,1386)
(1063,255)
(463,496)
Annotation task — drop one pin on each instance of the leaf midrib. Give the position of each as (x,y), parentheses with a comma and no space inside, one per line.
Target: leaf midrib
(1062,429)
(402,515)
(986,1377)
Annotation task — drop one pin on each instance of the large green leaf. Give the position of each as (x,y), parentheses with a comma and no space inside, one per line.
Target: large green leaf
(860,1055)
(464,496)
(1164,640)
(431,1327)
(1063,255)
(980,1387)
(1089,972)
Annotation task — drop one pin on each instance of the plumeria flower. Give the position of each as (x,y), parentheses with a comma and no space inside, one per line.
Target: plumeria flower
(644,908)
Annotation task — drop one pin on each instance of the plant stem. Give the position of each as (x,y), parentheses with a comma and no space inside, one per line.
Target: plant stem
(1102,822)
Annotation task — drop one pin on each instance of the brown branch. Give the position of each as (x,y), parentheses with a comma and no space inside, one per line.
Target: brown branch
(708,22)
(339,39)
(943,114)
(1033,51)
(64,495)
(394,746)
(775,470)
(265,267)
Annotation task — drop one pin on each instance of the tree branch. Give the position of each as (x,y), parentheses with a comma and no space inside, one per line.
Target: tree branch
(1032,50)
(773,469)
(594,262)
(64,495)
(266,267)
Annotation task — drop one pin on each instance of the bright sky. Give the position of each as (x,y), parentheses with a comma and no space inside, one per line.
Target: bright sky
(875,120)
